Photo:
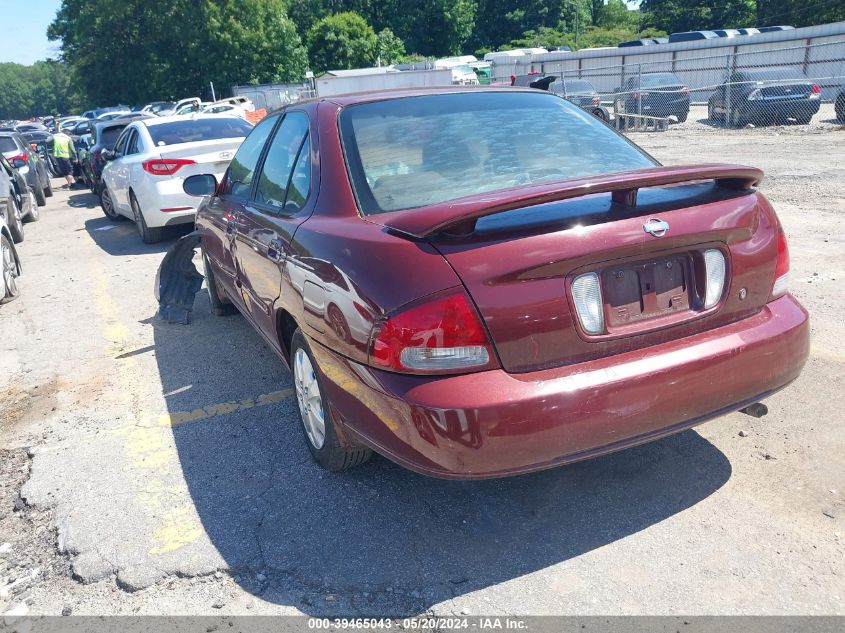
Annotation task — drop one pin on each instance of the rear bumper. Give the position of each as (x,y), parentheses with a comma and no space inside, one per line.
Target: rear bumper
(775,109)
(493,424)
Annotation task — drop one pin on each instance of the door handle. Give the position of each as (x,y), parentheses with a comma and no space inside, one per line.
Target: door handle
(276,250)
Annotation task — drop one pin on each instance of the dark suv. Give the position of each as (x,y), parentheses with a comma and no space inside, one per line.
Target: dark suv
(654,94)
(104,136)
(28,163)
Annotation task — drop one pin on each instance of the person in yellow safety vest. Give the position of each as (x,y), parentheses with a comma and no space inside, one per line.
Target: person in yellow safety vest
(63,150)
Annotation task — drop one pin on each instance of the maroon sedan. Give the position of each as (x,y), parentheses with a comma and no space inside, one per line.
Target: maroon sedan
(484,282)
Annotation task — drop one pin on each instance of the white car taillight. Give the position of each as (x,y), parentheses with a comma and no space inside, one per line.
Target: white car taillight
(586,292)
(714,266)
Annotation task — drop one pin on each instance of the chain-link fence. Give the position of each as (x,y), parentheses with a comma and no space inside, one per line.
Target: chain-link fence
(790,84)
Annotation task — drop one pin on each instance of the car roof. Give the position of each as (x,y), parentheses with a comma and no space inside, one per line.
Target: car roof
(400,93)
(158,120)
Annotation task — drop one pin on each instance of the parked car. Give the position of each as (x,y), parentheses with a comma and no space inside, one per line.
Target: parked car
(535,289)
(646,41)
(727,32)
(10,263)
(691,36)
(143,178)
(765,95)
(224,108)
(839,105)
(16,202)
(653,94)
(771,29)
(180,105)
(80,128)
(748,31)
(28,163)
(104,136)
(582,93)
(158,107)
(108,116)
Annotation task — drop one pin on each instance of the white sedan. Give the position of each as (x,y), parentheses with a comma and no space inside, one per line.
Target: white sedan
(143,175)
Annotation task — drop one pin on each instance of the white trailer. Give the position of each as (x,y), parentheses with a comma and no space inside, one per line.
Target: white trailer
(346,82)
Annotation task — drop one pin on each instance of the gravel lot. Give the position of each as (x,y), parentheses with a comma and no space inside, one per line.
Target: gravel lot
(157,469)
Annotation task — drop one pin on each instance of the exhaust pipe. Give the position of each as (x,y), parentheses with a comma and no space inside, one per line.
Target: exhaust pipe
(756,410)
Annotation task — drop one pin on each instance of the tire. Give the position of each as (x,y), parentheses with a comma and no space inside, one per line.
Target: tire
(8,271)
(14,219)
(48,188)
(34,214)
(682,117)
(737,120)
(107,206)
(313,407)
(219,305)
(40,198)
(148,235)
(803,120)
(600,114)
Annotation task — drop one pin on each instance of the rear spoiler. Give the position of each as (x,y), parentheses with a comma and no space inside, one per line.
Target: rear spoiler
(461,214)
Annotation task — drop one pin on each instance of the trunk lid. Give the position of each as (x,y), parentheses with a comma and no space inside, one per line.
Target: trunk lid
(209,156)
(518,264)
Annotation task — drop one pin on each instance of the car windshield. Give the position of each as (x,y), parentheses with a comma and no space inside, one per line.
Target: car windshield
(192,130)
(659,79)
(416,151)
(158,107)
(7,144)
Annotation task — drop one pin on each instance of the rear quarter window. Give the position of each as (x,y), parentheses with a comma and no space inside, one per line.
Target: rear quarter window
(193,130)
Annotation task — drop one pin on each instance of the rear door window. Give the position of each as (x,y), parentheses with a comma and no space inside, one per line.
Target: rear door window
(272,188)
(7,144)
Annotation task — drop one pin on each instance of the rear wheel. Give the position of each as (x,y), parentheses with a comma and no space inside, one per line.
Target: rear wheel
(13,217)
(107,204)
(9,271)
(149,235)
(314,412)
(48,188)
(219,305)
(40,199)
(683,117)
(34,214)
(804,120)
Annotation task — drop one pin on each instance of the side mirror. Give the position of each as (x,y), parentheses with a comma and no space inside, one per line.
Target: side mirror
(18,163)
(200,185)
(107,155)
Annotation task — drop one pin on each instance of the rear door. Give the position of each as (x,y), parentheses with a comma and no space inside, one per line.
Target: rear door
(218,219)
(267,224)
(118,172)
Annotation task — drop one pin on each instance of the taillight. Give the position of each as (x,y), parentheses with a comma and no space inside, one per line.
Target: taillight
(22,157)
(635,94)
(442,334)
(166,166)
(815,91)
(586,292)
(685,91)
(781,283)
(596,101)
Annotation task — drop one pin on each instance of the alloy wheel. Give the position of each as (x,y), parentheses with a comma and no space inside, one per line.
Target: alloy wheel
(309,398)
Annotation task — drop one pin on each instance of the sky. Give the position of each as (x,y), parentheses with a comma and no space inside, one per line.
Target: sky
(23,30)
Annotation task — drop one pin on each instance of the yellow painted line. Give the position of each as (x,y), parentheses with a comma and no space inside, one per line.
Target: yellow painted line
(223,408)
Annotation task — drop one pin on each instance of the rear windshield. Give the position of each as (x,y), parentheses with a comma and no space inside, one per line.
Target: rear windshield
(108,137)
(191,130)
(573,86)
(768,74)
(416,151)
(7,144)
(659,79)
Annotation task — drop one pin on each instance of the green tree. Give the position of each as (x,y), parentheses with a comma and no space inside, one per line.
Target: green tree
(128,50)
(434,27)
(389,48)
(340,41)
(675,16)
